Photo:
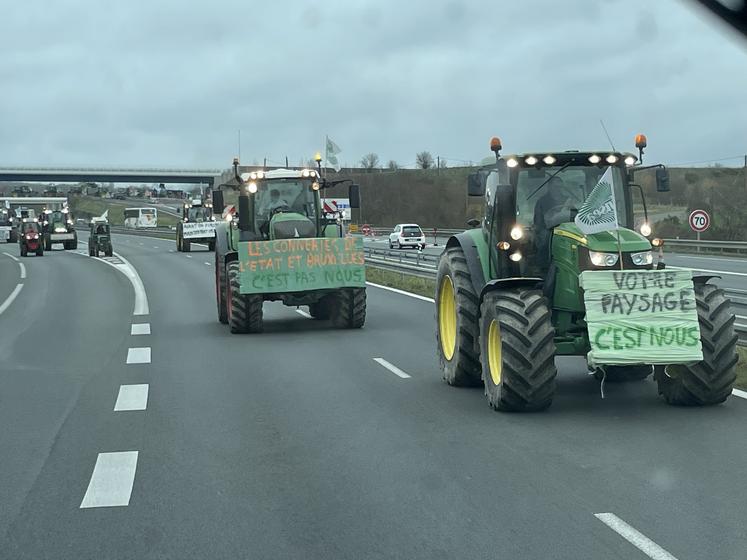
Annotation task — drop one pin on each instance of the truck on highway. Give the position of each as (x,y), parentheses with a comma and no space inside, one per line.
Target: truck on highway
(556,268)
(197,225)
(58,226)
(279,247)
(6,226)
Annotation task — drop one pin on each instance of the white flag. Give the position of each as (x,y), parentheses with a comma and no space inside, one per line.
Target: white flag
(599,212)
(332,150)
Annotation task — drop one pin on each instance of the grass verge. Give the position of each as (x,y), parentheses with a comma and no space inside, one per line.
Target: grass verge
(88,207)
(407,282)
(742,368)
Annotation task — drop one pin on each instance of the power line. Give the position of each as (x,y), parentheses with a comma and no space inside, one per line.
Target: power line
(707,161)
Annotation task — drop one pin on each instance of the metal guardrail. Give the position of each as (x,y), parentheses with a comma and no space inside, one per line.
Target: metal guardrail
(736,247)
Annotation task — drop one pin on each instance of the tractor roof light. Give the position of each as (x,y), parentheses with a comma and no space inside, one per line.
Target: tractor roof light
(253,175)
(252,187)
(645,229)
(531,160)
(549,160)
(640,141)
(612,158)
(504,245)
(305,173)
(315,185)
(260,174)
(630,161)
(312,173)
(512,162)
(594,158)
(517,232)
(318,157)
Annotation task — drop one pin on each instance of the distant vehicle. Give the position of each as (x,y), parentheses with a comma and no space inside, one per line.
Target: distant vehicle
(6,226)
(119,196)
(58,227)
(30,238)
(137,218)
(197,225)
(407,235)
(100,239)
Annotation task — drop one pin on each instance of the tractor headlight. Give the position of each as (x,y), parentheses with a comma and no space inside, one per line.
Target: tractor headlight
(517,232)
(603,259)
(252,187)
(645,229)
(60,229)
(512,162)
(643,258)
(516,257)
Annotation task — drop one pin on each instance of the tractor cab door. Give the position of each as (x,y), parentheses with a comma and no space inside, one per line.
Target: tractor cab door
(500,215)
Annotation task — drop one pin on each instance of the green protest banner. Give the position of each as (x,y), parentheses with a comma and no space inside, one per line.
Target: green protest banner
(300,264)
(641,316)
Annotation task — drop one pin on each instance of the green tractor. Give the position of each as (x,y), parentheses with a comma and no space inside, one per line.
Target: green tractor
(518,289)
(99,239)
(59,227)
(278,246)
(197,226)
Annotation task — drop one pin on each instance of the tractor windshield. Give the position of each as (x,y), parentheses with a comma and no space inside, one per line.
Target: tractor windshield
(199,214)
(290,195)
(552,204)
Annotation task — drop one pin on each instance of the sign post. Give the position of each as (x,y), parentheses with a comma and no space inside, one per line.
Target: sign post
(699,221)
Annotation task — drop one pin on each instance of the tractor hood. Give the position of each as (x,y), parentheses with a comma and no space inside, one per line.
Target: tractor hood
(606,241)
(287,225)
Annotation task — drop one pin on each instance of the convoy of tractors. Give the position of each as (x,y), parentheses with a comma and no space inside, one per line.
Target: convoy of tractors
(557,266)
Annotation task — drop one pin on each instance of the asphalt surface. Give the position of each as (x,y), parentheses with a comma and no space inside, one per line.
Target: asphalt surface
(297,444)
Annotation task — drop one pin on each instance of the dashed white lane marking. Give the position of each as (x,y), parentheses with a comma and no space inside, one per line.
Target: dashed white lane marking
(172,250)
(207,263)
(404,293)
(634,537)
(138,355)
(188,256)
(739,393)
(132,397)
(140,328)
(23,270)
(394,369)
(112,480)
(10,298)
(303,313)
(141,243)
(12,257)
(156,247)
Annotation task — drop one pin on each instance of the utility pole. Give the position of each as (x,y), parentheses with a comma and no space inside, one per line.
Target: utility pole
(438,164)
(239,144)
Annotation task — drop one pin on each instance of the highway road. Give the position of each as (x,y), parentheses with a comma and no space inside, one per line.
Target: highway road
(307,442)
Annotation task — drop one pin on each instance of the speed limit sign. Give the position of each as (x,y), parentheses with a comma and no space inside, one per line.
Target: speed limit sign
(699,220)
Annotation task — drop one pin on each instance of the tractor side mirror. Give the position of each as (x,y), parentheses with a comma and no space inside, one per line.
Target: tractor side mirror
(662,179)
(473,222)
(218,204)
(475,184)
(354,195)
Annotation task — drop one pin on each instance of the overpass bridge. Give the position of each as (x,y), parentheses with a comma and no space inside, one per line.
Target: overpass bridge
(110,175)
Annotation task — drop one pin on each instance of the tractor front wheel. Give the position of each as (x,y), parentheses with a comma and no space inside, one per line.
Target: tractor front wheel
(457,311)
(517,350)
(710,381)
(186,245)
(321,309)
(244,310)
(347,308)
(220,293)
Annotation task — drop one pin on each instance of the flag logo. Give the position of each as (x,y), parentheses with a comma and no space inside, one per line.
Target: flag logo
(599,212)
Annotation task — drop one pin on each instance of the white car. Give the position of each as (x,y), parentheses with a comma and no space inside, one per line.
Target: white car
(407,235)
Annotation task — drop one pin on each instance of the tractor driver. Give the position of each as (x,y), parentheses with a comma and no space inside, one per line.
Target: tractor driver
(552,209)
(269,208)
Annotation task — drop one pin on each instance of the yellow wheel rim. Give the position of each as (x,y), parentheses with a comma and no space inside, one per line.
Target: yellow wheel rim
(495,359)
(447,318)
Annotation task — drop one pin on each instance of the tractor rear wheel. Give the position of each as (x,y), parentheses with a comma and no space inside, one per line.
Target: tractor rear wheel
(48,244)
(178,242)
(24,251)
(347,308)
(457,311)
(40,252)
(211,245)
(244,310)
(710,381)
(108,253)
(220,293)
(517,350)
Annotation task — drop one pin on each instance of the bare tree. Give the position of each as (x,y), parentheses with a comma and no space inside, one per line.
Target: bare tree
(424,160)
(370,161)
(393,165)
(442,163)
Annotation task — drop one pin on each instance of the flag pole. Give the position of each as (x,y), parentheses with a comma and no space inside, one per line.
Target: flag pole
(619,249)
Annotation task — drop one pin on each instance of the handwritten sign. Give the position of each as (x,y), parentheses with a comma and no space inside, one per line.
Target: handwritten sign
(198,229)
(300,264)
(641,316)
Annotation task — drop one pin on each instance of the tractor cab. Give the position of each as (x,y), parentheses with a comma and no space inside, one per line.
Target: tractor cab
(99,238)
(197,211)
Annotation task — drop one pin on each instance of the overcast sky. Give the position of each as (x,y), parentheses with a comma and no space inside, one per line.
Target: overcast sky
(169,83)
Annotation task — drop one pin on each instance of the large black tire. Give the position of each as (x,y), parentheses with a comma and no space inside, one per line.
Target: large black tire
(621,374)
(24,251)
(710,381)
(47,243)
(244,310)
(178,242)
(40,252)
(220,293)
(91,251)
(457,327)
(108,253)
(517,350)
(347,308)
(186,245)
(211,245)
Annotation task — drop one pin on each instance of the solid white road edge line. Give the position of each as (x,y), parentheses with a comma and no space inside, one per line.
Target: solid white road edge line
(739,393)
(23,270)
(402,292)
(394,369)
(140,328)
(141,300)
(138,355)
(112,480)
(132,397)
(634,537)
(11,297)
(303,313)
(12,257)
